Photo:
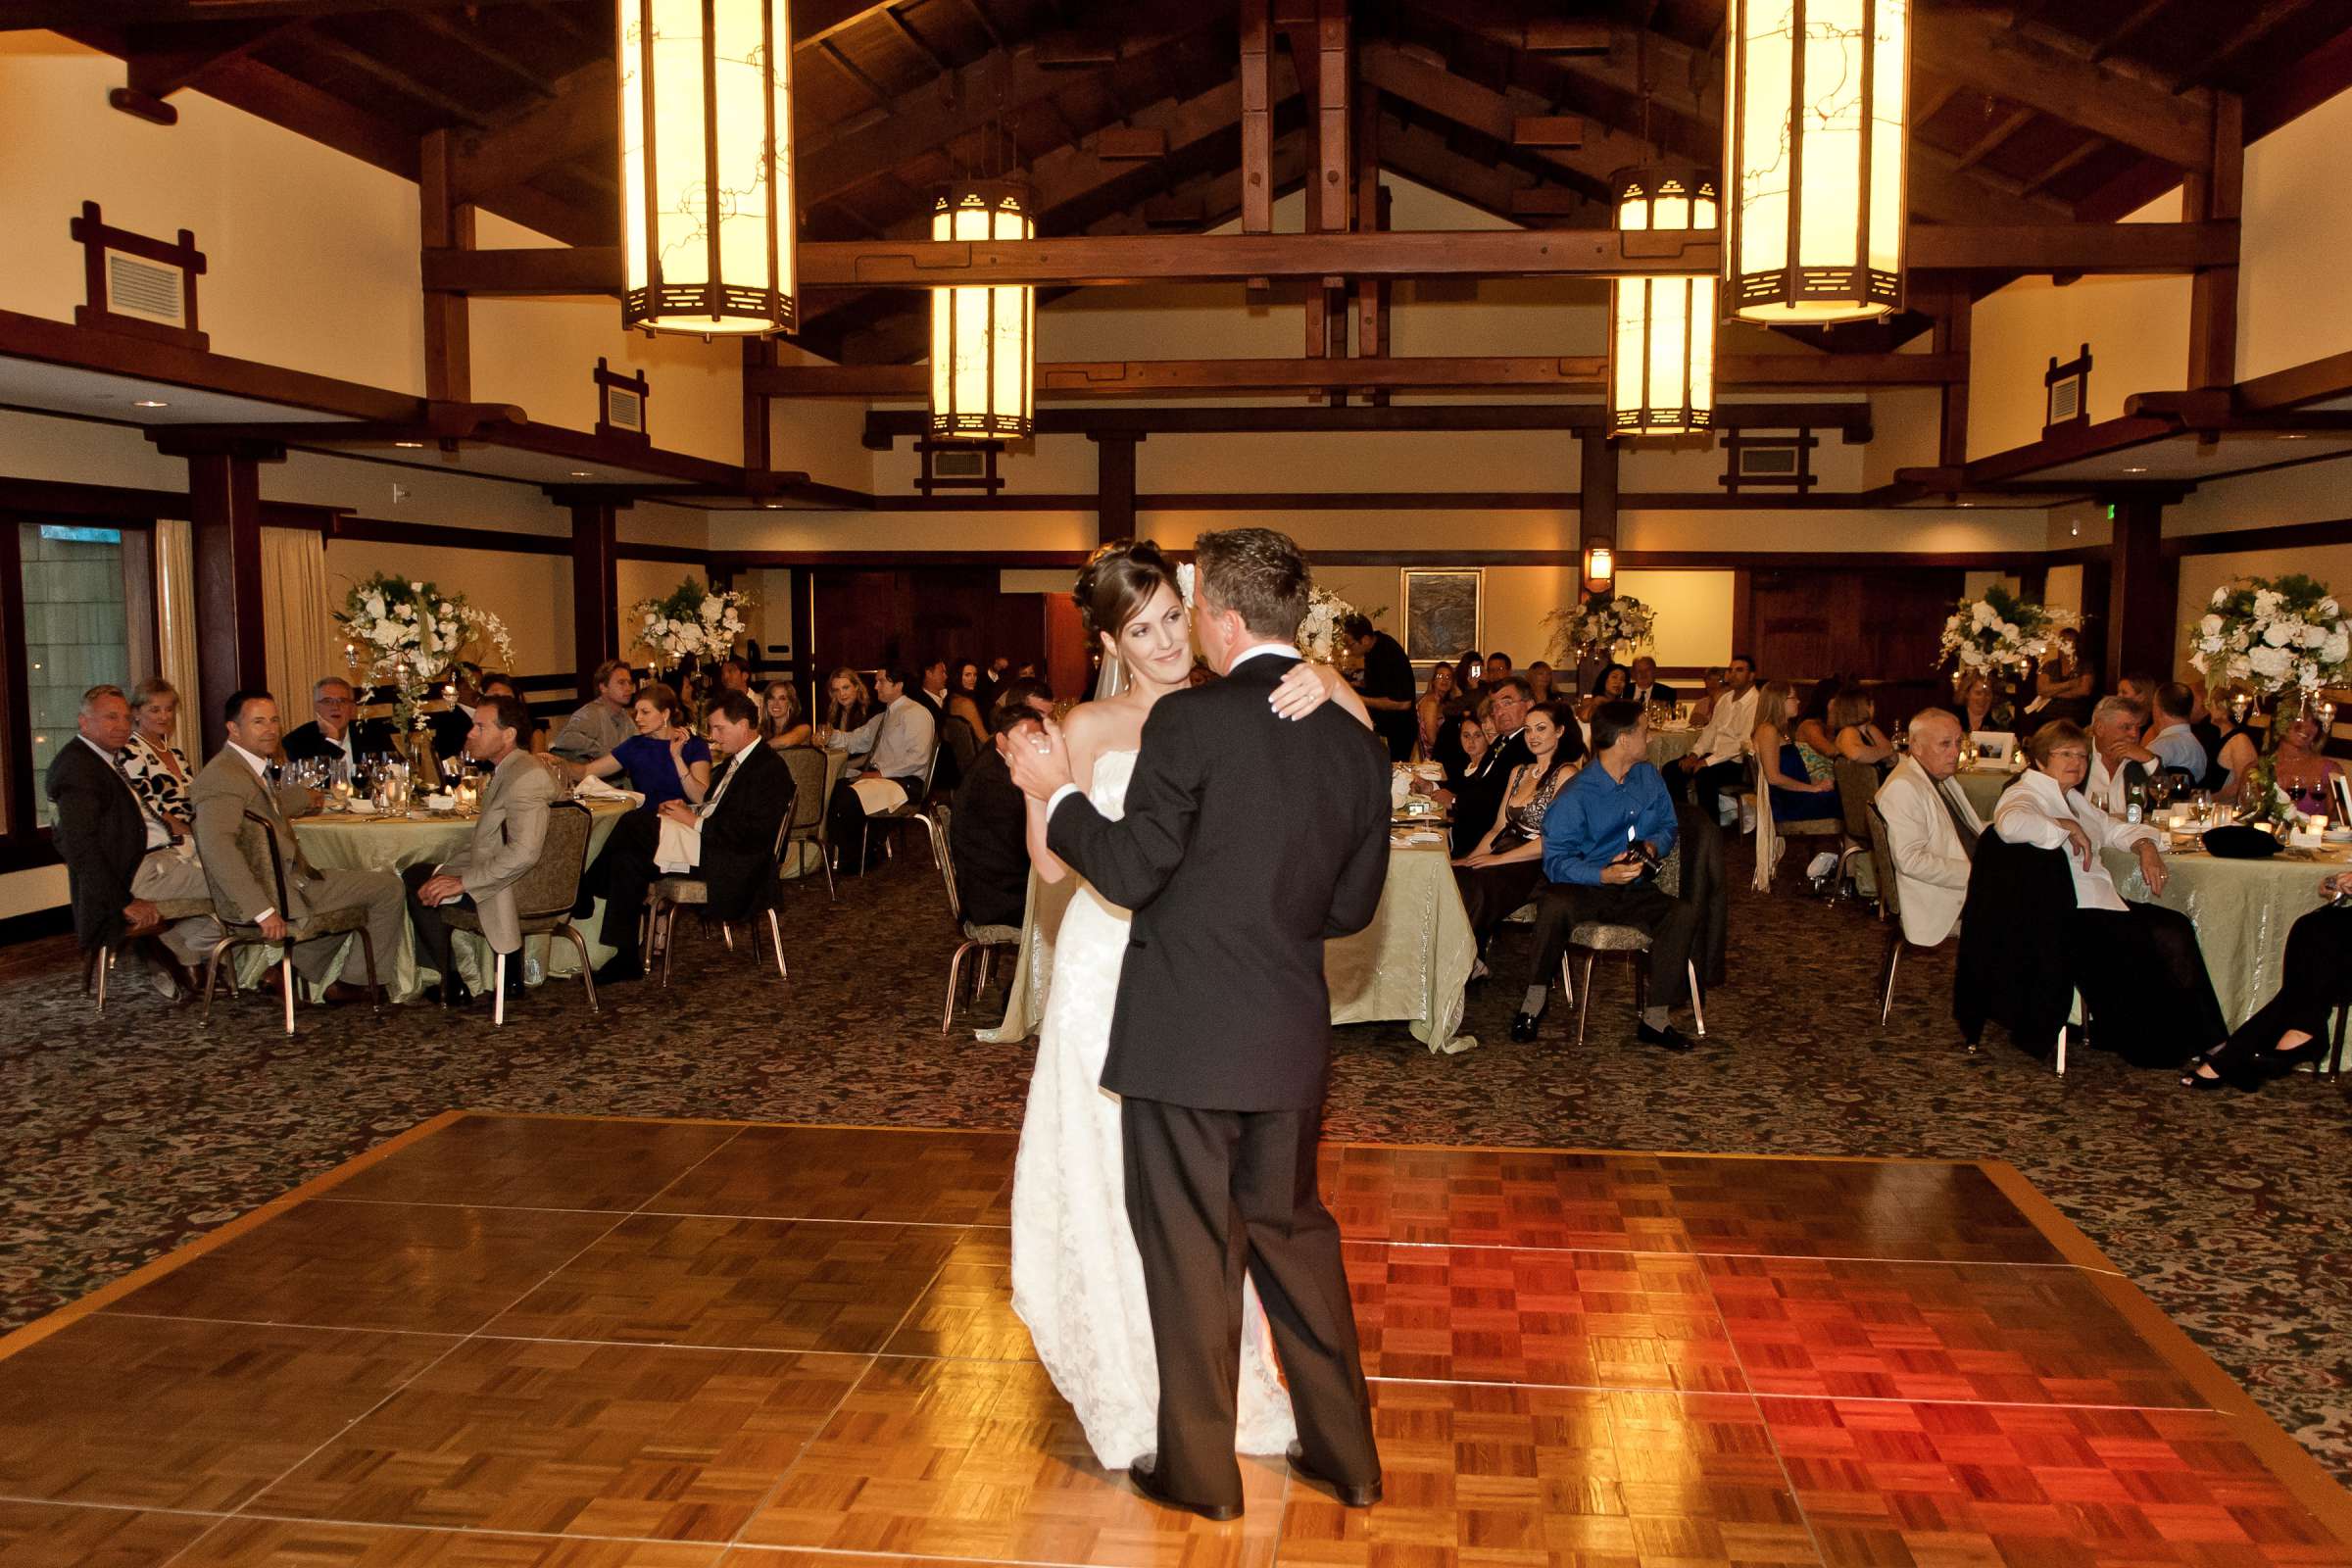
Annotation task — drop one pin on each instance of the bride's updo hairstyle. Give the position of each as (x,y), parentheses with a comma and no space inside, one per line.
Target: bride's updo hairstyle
(1117,581)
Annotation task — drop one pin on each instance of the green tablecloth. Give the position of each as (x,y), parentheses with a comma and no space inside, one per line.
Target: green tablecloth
(1410,963)
(1667,746)
(1983,786)
(2241,909)
(379,843)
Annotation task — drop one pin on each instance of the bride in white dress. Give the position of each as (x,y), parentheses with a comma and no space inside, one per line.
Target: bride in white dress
(1077,1279)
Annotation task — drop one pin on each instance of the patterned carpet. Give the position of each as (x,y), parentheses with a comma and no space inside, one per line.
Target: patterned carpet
(129,1136)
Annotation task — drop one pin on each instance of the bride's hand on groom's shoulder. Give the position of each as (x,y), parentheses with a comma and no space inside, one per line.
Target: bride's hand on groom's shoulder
(1037,756)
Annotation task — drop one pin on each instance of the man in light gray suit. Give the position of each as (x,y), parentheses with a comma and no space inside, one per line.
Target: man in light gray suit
(236,781)
(506,840)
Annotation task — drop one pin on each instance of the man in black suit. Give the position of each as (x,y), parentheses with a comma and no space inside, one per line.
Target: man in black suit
(988,832)
(1247,841)
(1647,688)
(1478,795)
(729,841)
(1388,686)
(336,734)
(120,858)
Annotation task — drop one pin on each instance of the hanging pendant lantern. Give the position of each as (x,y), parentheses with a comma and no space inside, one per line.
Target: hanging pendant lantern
(1662,330)
(982,387)
(706,166)
(1814,162)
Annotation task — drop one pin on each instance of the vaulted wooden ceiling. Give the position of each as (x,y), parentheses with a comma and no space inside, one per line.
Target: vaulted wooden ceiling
(1125,114)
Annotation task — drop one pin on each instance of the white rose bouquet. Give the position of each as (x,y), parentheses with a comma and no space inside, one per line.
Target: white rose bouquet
(2287,635)
(1320,635)
(405,634)
(2000,632)
(692,621)
(1601,627)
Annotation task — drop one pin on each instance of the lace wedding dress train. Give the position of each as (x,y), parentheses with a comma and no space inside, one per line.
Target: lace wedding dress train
(1077,1279)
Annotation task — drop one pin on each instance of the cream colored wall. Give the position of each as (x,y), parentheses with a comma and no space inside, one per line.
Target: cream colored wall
(425,496)
(531,594)
(1694,615)
(44,886)
(2294,300)
(311,256)
(35,446)
(2310,492)
(2138,329)
(911,530)
(2064,589)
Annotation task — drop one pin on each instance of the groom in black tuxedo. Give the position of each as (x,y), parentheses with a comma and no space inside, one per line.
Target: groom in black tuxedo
(1247,841)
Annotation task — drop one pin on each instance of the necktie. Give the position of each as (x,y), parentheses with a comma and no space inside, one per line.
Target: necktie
(1968,834)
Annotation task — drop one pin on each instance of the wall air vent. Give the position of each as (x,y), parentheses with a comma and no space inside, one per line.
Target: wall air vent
(626,411)
(145,289)
(621,403)
(137,286)
(2065,391)
(959,466)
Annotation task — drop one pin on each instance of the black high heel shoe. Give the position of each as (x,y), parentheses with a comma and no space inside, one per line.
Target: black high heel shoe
(2276,1063)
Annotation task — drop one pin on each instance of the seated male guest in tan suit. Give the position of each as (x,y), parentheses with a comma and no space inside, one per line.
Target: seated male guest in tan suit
(120,857)
(507,838)
(1930,829)
(236,781)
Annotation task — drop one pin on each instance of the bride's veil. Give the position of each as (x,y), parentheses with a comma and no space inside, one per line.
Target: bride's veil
(1111,679)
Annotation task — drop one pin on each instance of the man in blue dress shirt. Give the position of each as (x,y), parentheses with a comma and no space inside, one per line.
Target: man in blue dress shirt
(1595,838)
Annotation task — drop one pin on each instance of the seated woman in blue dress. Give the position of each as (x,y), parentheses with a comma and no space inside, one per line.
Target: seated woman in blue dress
(1798,776)
(664,759)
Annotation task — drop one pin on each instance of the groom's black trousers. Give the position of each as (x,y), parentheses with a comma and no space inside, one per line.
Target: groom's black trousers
(1229,1191)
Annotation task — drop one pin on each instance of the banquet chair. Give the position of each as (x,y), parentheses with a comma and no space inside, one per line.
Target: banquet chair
(259,845)
(1858,787)
(1773,835)
(1890,910)
(670,894)
(1593,938)
(812,778)
(543,900)
(987,938)
(907,809)
(101,963)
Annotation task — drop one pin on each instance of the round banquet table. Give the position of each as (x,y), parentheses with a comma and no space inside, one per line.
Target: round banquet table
(1410,963)
(334,842)
(2241,909)
(1668,745)
(1983,786)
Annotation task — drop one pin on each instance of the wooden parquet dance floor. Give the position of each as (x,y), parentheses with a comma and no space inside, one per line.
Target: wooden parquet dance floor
(504,1341)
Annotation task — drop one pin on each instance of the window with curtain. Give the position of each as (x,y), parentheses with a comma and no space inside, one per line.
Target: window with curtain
(77,631)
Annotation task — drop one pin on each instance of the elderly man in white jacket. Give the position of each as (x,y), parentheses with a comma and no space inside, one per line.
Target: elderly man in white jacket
(1930,828)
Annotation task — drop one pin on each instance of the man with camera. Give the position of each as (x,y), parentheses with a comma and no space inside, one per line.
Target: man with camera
(1605,837)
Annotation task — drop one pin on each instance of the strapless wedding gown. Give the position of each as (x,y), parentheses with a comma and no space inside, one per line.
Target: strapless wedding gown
(1077,1279)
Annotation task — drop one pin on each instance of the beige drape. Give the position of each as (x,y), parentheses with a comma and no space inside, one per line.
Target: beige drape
(298,625)
(175,622)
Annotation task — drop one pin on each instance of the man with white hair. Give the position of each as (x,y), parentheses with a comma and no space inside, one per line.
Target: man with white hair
(1931,830)
(2118,759)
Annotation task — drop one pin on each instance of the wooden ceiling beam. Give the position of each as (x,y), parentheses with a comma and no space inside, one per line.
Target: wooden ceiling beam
(1577,373)
(1100,260)
(583,119)
(1493,114)
(391,76)
(1977,47)
(161,73)
(1990,142)
(66,15)
(964,101)
(1853,420)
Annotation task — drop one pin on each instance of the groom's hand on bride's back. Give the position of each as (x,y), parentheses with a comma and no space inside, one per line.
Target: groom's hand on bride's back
(1037,756)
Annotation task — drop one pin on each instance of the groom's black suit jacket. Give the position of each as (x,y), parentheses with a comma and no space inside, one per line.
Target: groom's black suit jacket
(1247,840)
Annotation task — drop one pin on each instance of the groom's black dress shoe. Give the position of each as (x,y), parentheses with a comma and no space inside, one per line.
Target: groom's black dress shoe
(1145,1476)
(1670,1038)
(1523,1027)
(1351,1496)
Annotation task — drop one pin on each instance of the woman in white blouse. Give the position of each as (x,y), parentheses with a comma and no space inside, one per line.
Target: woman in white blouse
(2138,965)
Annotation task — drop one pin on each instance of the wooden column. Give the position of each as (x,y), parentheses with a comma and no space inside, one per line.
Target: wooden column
(1114,484)
(445,223)
(224,517)
(1953,315)
(595,580)
(2143,594)
(2213,295)
(1596,516)
(1258,119)
(758,354)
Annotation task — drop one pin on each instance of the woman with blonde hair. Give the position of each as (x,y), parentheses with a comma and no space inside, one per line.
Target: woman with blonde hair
(158,769)
(849,704)
(1435,703)
(781,721)
(1854,722)
(1975,699)
(1797,775)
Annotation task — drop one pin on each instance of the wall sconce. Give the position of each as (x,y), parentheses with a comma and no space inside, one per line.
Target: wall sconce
(1600,566)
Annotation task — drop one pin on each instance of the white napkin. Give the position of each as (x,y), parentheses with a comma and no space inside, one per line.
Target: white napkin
(879,795)
(593,788)
(359,806)
(1417,835)
(680,848)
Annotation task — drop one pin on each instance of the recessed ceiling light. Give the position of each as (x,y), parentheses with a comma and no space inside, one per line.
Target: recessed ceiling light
(583,473)
(772,506)
(411,444)
(2294,438)
(1966,503)
(2136,471)
(149,403)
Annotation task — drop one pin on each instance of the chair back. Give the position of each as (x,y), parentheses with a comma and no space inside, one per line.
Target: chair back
(258,845)
(808,814)
(1858,787)
(1881,854)
(549,888)
(961,743)
(1670,870)
(936,820)
(930,770)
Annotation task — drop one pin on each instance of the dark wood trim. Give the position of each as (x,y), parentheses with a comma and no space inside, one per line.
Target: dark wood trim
(595,589)
(1744,610)
(2330,376)
(138,601)
(444,221)
(1637,560)
(34,337)
(96,237)
(1114,497)
(610,381)
(886,425)
(434,536)
(226,534)
(35,925)
(2143,593)
(684,554)
(16,699)
(2282,536)
(58,498)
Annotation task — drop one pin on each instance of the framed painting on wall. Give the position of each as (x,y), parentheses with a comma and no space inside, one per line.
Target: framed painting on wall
(1441,614)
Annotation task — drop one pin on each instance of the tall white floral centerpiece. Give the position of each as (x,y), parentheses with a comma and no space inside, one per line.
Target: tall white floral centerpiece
(692,621)
(2288,640)
(405,635)
(2000,635)
(1322,636)
(1603,629)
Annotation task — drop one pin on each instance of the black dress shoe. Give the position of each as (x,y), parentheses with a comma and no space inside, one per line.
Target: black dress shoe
(1363,1495)
(619,971)
(1523,1027)
(1667,1039)
(1145,1476)
(449,994)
